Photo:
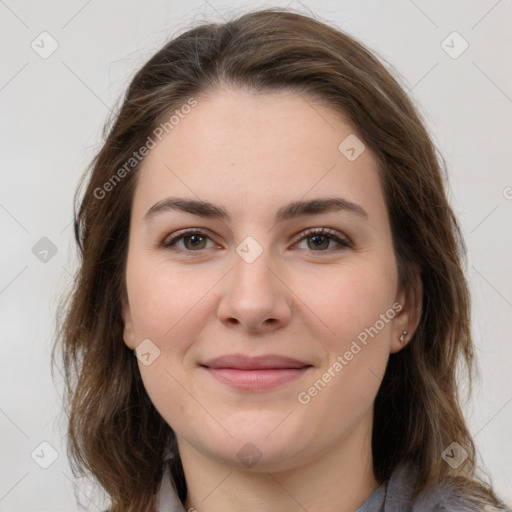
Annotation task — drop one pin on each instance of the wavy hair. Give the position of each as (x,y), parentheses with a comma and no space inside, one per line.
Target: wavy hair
(115,433)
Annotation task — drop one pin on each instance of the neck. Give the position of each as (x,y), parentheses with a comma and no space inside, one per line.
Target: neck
(339,480)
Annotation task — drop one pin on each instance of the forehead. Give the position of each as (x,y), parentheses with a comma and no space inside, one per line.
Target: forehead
(257,148)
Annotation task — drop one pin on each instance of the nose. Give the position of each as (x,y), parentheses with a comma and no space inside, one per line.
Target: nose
(254,297)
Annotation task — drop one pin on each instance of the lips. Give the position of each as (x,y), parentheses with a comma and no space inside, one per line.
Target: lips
(255,373)
(266,362)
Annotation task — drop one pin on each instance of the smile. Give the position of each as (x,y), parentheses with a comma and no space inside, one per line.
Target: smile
(255,373)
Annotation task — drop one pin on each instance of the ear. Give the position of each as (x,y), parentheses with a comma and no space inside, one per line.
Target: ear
(128,334)
(409,316)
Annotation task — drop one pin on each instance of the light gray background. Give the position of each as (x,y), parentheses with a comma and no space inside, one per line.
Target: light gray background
(52,115)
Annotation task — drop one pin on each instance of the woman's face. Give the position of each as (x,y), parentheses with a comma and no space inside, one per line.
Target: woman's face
(262,342)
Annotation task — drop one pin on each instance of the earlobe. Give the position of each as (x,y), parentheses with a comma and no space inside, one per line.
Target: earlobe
(407,320)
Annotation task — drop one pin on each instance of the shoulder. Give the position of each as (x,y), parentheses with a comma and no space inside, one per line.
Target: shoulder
(441,497)
(444,498)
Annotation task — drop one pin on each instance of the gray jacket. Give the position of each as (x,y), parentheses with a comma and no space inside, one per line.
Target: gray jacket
(392,496)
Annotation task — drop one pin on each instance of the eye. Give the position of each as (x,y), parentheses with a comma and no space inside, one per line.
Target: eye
(194,240)
(319,239)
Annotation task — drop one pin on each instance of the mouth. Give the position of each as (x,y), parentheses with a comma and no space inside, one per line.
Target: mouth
(255,373)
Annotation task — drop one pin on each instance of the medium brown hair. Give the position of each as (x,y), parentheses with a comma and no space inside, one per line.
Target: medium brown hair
(115,432)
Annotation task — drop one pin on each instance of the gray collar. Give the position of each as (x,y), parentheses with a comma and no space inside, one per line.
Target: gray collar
(391,496)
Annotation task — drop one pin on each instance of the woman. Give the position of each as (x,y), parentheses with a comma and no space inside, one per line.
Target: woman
(271,305)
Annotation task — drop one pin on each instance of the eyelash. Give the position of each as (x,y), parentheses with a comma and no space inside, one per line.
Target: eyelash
(329,233)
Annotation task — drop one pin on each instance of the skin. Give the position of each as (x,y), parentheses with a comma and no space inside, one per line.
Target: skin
(252,154)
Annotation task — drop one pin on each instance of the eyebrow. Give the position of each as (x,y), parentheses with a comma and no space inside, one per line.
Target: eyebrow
(290,211)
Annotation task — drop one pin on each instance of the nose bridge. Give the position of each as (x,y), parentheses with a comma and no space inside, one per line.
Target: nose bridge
(254,296)
(252,277)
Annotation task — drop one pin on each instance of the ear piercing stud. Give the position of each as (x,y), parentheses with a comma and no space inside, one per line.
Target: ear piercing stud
(402,337)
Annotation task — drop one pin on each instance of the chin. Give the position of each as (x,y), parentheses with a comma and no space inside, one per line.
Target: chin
(261,441)
(256,457)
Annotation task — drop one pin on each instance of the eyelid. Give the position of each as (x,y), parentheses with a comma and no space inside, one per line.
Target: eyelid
(343,241)
(176,236)
(332,233)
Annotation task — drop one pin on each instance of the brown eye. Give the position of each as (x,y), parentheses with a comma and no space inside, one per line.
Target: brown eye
(319,240)
(192,241)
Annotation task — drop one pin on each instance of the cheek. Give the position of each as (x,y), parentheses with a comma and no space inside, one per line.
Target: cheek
(357,307)
(164,300)
(350,300)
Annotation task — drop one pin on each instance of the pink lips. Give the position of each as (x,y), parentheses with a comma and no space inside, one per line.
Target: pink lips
(255,373)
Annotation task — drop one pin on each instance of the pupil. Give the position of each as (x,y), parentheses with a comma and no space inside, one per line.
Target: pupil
(196,238)
(319,239)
